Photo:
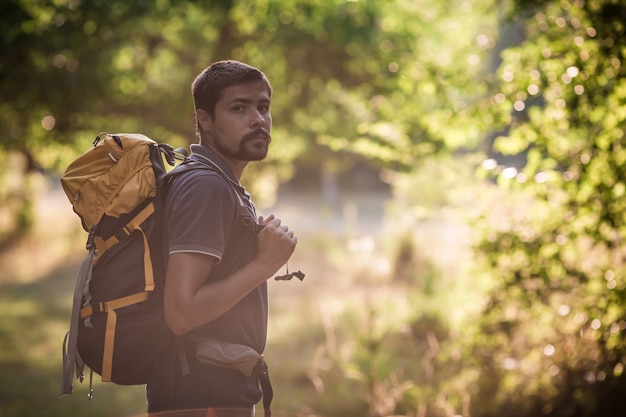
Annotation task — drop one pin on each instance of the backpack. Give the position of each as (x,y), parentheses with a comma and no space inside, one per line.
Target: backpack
(117,326)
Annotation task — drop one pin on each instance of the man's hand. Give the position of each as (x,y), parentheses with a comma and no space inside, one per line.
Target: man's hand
(275,243)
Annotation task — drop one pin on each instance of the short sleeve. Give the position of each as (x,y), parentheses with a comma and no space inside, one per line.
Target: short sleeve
(199,213)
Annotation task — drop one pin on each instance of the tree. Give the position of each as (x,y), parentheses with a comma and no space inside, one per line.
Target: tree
(343,72)
(551,337)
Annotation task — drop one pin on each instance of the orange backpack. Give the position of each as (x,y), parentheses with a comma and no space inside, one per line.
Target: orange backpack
(117,325)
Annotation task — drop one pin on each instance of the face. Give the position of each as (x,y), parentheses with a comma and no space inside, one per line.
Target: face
(240,130)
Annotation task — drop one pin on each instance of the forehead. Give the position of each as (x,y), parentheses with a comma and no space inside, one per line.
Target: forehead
(253,91)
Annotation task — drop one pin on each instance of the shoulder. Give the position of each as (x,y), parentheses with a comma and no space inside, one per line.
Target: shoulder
(202,181)
(199,191)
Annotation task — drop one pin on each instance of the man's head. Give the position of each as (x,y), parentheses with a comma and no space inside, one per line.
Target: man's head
(232,101)
(208,86)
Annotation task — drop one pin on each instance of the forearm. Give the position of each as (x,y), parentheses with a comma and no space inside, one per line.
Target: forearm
(216,298)
(191,301)
(192,308)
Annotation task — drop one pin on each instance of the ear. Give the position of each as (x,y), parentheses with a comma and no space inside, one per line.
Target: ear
(204,120)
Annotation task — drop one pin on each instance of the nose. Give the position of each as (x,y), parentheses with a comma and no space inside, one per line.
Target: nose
(257,119)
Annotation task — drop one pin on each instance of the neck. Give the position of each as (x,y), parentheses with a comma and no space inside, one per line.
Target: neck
(237,166)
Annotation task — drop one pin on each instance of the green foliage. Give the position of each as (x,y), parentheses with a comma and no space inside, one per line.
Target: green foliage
(350,77)
(343,67)
(550,334)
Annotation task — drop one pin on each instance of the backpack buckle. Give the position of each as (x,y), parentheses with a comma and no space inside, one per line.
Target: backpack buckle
(90,240)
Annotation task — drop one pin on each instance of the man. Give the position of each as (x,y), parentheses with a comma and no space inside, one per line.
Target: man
(215,284)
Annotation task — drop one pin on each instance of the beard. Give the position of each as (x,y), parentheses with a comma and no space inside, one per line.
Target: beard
(253,147)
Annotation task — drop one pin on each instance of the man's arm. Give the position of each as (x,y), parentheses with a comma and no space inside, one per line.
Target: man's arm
(190,302)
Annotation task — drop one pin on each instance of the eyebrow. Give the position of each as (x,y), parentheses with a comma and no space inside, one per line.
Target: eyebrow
(247,100)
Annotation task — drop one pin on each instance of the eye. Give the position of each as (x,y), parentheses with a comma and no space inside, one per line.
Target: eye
(238,108)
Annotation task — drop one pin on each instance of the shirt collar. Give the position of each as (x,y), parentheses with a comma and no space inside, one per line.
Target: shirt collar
(211,155)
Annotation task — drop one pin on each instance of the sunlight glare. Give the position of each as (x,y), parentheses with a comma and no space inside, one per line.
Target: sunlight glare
(510,172)
(489,164)
(548,350)
(48,122)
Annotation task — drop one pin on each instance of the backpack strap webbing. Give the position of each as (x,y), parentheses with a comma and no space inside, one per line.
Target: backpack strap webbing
(107,306)
(71,357)
(102,245)
(263,377)
(109,335)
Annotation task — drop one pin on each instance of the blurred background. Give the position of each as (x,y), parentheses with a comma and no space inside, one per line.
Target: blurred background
(455,171)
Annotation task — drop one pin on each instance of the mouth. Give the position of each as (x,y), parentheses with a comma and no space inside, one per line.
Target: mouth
(263,138)
(258,135)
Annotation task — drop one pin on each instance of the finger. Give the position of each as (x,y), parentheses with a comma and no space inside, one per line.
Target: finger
(273,221)
(265,221)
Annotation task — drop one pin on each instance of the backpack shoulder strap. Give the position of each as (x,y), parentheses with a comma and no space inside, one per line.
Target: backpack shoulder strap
(194,162)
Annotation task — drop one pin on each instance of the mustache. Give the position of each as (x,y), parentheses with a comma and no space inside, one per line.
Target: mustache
(257,133)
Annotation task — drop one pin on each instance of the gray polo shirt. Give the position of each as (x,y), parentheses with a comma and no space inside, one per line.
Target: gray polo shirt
(201,217)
